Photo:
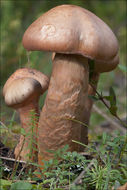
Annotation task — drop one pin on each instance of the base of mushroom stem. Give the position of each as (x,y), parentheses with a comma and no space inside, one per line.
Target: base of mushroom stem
(40,171)
(22,152)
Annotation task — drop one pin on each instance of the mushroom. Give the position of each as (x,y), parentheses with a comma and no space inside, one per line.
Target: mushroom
(76,36)
(21,92)
(30,73)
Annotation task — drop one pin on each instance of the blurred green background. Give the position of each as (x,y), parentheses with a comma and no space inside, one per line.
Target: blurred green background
(16,16)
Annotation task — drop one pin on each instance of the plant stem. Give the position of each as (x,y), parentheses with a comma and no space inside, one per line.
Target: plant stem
(103,101)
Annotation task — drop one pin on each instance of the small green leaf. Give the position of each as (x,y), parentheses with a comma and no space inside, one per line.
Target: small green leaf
(123,68)
(23,131)
(112,144)
(113,110)
(35,164)
(94,98)
(112,97)
(107,98)
(104,137)
(22,185)
(37,173)
(4,182)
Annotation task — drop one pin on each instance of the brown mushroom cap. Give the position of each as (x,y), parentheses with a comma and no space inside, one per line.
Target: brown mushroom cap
(30,73)
(74,30)
(21,91)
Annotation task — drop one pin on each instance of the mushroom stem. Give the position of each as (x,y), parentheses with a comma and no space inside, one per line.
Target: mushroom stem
(67,94)
(26,149)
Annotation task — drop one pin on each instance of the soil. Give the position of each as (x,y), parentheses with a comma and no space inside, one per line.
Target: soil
(7,165)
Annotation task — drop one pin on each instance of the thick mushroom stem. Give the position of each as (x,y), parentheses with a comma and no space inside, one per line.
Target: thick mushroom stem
(26,149)
(68,90)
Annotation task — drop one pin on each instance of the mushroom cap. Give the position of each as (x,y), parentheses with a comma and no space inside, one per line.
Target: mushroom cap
(21,91)
(30,73)
(71,29)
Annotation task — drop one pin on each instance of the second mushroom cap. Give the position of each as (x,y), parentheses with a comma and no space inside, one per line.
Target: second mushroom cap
(22,90)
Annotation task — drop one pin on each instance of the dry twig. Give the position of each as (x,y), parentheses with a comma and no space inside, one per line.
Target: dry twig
(77,180)
(112,121)
(12,159)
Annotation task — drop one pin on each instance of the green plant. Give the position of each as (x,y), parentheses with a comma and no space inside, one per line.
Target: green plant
(112,103)
(31,135)
(107,170)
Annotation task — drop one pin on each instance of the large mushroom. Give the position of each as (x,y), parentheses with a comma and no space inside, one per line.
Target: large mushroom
(21,92)
(76,36)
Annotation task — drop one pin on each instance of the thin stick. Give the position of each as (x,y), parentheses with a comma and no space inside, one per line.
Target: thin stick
(21,171)
(76,181)
(32,182)
(13,160)
(112,121)
(77,121)
(3,124)
(5,127)
(16,166)
(102,99)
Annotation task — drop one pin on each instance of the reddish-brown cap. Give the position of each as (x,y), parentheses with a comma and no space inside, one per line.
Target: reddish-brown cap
(22,91)
(30,73)
(74,30)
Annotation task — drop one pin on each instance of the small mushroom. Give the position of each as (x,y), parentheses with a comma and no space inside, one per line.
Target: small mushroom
(30,73)
(21,92)
(75,35)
